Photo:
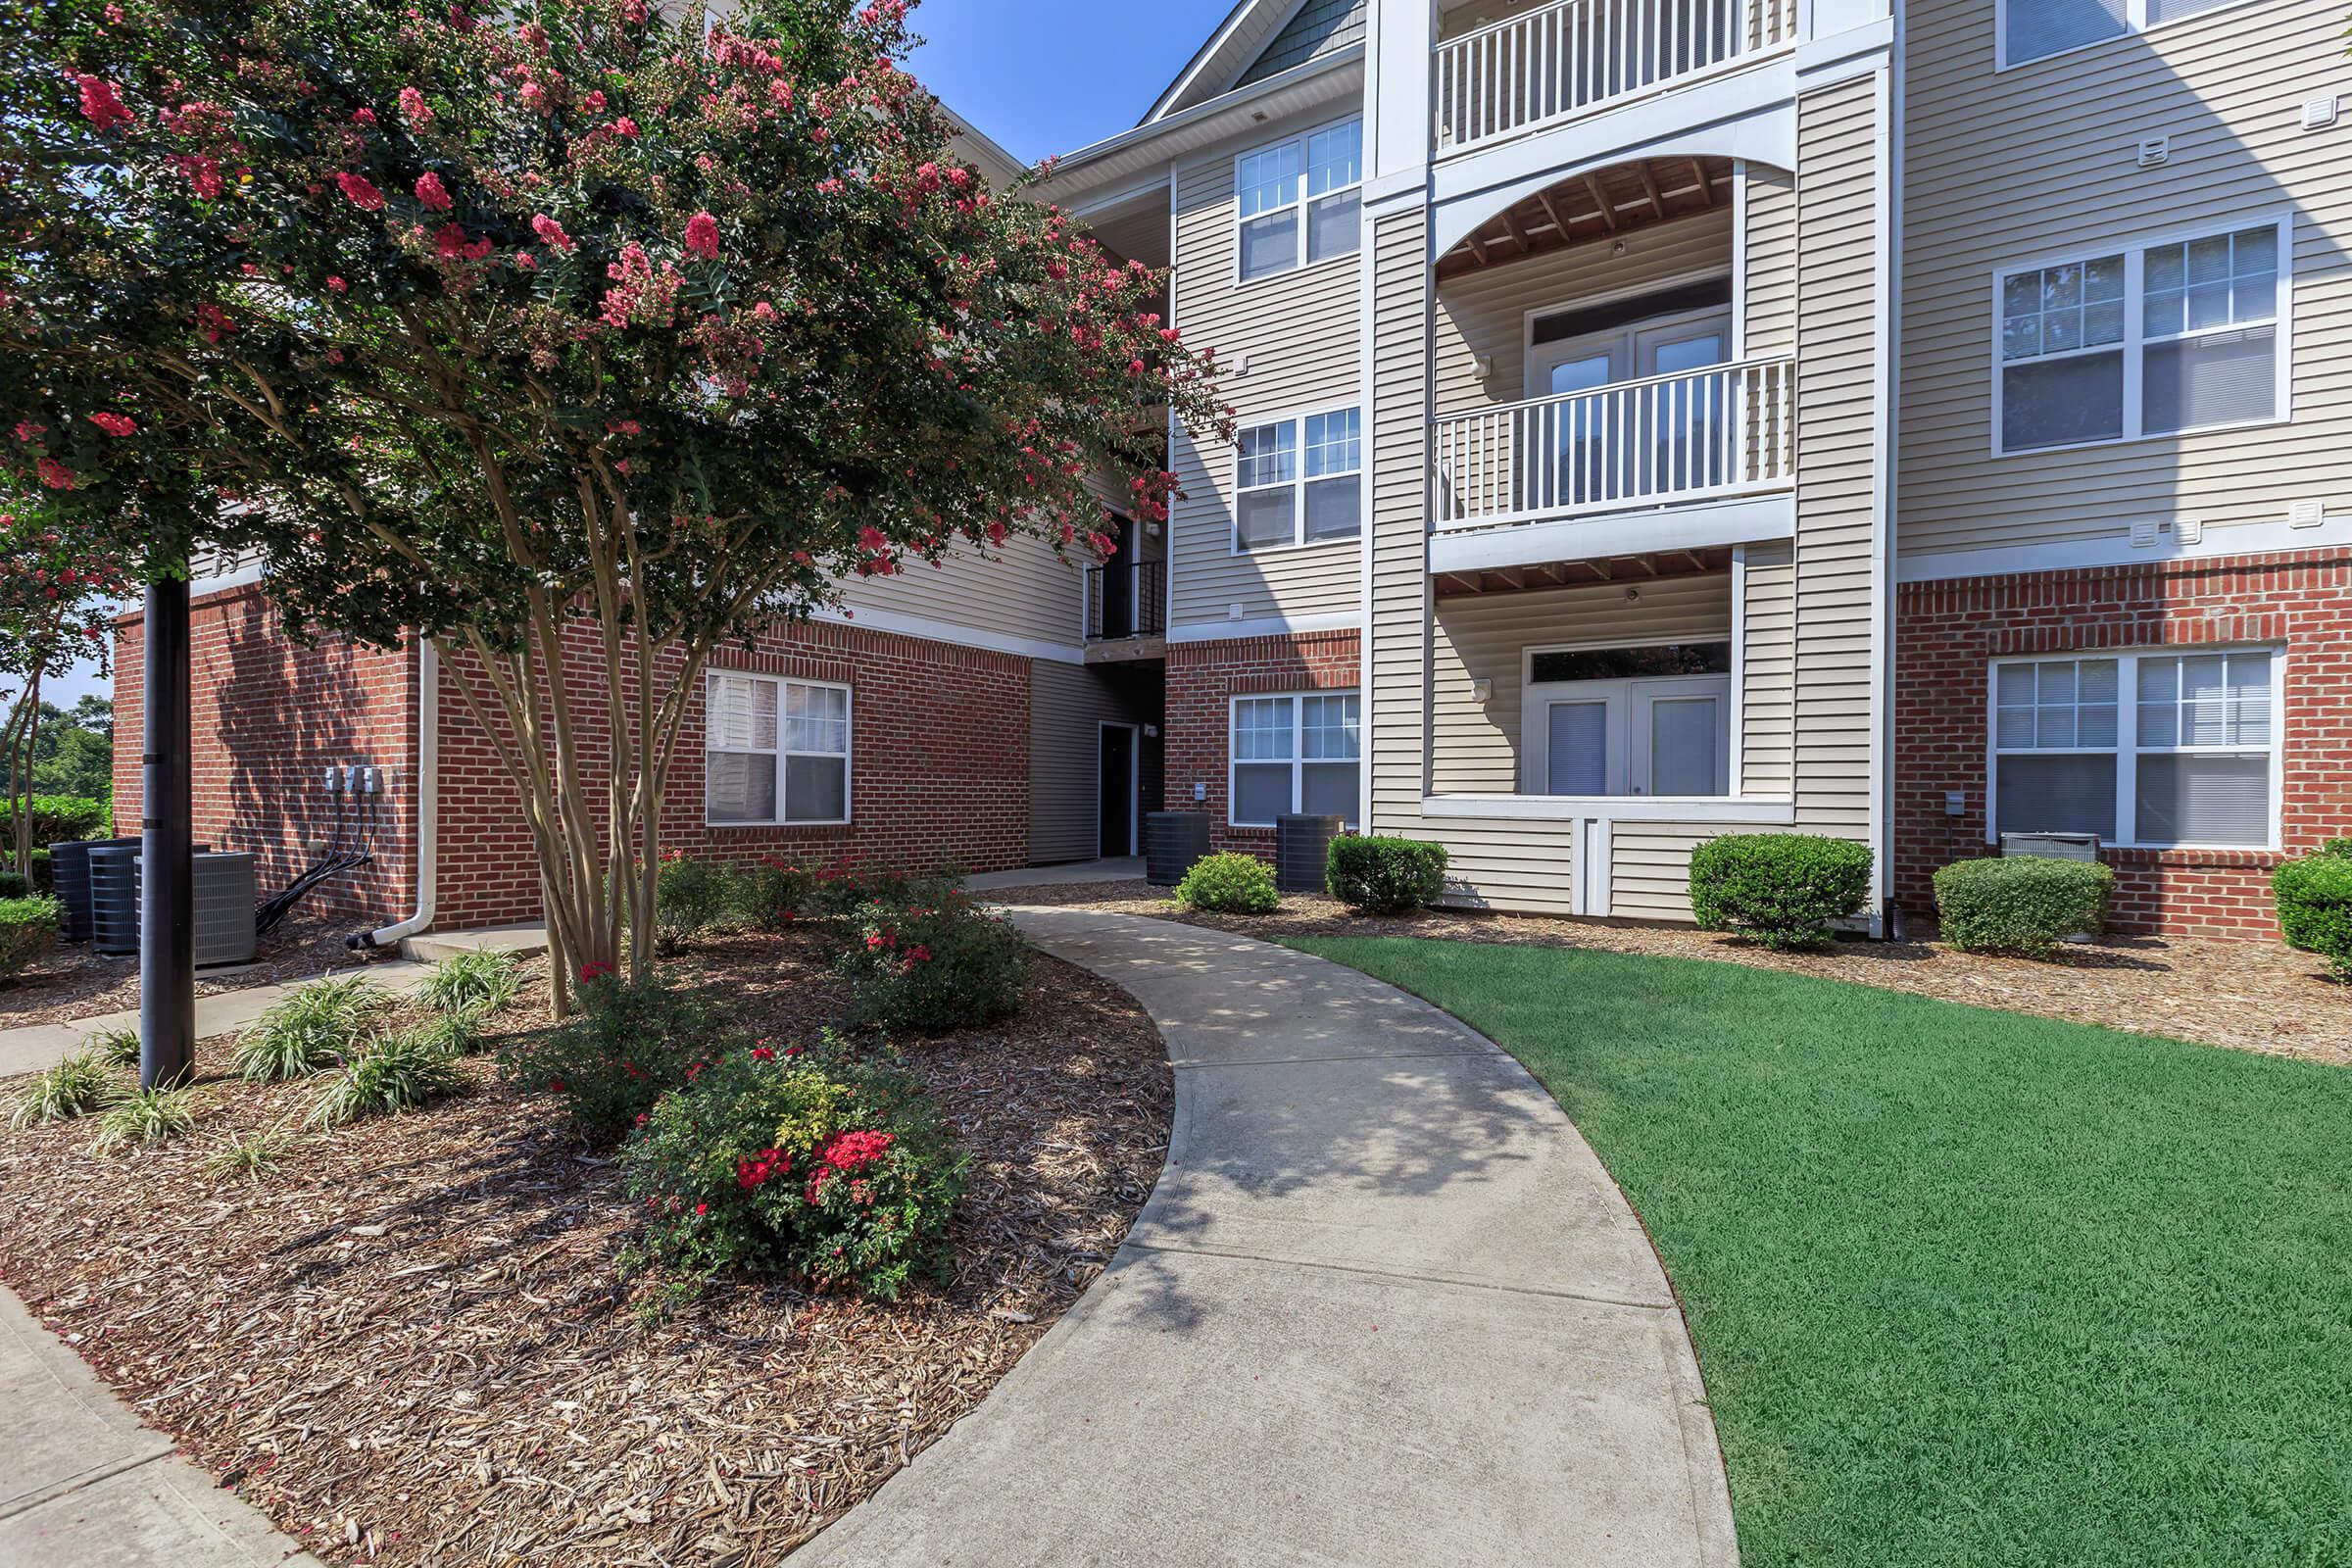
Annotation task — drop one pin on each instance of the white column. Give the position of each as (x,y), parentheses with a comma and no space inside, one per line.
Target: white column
(1396,117)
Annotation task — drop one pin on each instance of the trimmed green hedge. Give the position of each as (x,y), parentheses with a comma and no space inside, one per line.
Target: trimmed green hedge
(1383,875)
(1229,884)
(2315,906)
(29,929)
(1785,890)
(58,819)
(2022,904)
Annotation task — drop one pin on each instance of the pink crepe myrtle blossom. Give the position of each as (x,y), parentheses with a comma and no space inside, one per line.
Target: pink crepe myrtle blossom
(702,236)
(55,475)
(363,194)
(113,423)
(414,109)
(433,193)
(101,105)
(551,232)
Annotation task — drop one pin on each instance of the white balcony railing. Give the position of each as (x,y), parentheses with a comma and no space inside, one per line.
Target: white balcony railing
(1727,430)
(1575,56)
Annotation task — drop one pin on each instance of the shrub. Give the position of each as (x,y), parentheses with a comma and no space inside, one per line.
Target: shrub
(315,1027)
(44,874)
(2315,906)
(403,1071)
(119,1048)
(1229,884)
(770,895)
(481,982)
(690,898)
(75,1086)
(929,968)
(29,928)
(811,1162)
(622,1050)
(1784,890)
(2022,903)
(1383,875)
(15,884)
(146,1116)
(248,1157)
(59,819)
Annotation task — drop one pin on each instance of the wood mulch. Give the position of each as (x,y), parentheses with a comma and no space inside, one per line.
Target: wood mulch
(413,1343)
(76,982)
(2249,996)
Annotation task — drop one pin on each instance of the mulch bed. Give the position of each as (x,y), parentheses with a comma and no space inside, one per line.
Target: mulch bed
(2249,996)
(413,1343)
(74,982)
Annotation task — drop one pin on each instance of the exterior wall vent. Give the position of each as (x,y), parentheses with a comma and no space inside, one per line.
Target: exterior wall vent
(2144,533)
(2306,513)
(2319,112)
(2154,150)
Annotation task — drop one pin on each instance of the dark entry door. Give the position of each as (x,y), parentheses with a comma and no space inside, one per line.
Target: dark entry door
(1118,791)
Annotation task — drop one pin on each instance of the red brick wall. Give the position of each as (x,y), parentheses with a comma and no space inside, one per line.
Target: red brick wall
(938,770)
(1202,678)
(1948,632)
(268,715)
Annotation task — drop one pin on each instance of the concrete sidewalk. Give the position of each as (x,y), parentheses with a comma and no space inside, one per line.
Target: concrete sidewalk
(1385,1308)
(1077,873)
(86,1485)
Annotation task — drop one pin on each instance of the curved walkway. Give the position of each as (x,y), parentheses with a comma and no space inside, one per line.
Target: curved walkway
(1383,1307)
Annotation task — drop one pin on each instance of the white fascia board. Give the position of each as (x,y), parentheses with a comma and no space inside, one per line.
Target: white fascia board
(1125,159)
(1750,519)
(940,631)
(2116,550)
(1220,632)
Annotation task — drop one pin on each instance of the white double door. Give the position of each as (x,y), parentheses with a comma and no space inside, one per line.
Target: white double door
(1663,346)
(1669,735)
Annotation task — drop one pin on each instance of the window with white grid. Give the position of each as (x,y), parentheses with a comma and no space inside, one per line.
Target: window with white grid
(2035,29)
(1295,754)
(2147,750)
(776,751)
(1299,481)
(1300,201)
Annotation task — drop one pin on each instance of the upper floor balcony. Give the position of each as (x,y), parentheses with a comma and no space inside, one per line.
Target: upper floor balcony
(1571,58)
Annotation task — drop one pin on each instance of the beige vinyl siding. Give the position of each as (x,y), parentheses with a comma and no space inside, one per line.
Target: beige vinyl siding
(1475,747)
(2040,159)
(1768,673)
(1299,333)
(1837,415)
(1518,865)
(1649,869)
(1026,590)
(1768,208)
(1484,312)
(1067,706)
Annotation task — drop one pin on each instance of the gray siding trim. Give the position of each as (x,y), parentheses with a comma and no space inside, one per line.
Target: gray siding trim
(1321,28)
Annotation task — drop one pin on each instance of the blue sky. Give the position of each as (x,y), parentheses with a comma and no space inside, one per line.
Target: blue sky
(1047,77)
(1041,76)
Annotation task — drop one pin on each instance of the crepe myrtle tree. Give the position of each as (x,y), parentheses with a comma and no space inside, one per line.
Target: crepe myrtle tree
(57,599)
(574,323)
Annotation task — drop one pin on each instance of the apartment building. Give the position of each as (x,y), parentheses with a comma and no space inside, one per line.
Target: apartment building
(1662,418)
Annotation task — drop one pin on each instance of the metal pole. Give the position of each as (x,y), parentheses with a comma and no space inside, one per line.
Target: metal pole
(167,872)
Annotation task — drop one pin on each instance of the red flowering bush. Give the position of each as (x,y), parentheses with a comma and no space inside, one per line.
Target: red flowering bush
(932,965)
(814,1162)
(627,1046)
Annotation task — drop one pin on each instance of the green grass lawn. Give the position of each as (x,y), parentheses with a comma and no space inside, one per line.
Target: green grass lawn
(1968,1287)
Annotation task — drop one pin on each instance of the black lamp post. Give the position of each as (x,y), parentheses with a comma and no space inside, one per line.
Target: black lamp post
(166,834)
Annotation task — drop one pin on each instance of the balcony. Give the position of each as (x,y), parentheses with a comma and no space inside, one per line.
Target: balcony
(1126,602)
(1577,57)
(1725,431)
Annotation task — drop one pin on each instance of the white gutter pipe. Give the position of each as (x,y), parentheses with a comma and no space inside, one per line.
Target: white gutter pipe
(428,801)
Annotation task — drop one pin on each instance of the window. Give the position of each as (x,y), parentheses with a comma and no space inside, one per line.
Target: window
(2033,30)
(2151,340)
(776,751)
(1299,481)
(1300,201)
(1295,754)
(2146,750)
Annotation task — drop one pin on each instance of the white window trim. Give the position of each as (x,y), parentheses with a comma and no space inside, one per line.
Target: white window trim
(1298,757)
(1299,480)
(2133,347)
(848,755)
(1297,205)
(2128,751)
(2135,24)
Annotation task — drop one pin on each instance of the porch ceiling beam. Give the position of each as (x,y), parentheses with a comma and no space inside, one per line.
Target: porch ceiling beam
(1706,186)
(1553,212)
(1650,188)
(1600,197)
(1510,221)
(1477,248)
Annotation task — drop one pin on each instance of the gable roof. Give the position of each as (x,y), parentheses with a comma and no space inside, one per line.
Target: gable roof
(1259,39)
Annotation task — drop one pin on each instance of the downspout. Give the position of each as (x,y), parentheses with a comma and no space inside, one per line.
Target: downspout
(428,803)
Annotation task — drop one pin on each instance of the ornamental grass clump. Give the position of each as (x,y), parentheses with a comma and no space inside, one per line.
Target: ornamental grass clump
(2020,904)
(75,1087)
(931,968)
(1783,890)
(627,1046)
(395,1073)
(145,1116)
(117,1048)
(1229,884)
(814,1162)
(318,1026)
(480,981)
(249,1156)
